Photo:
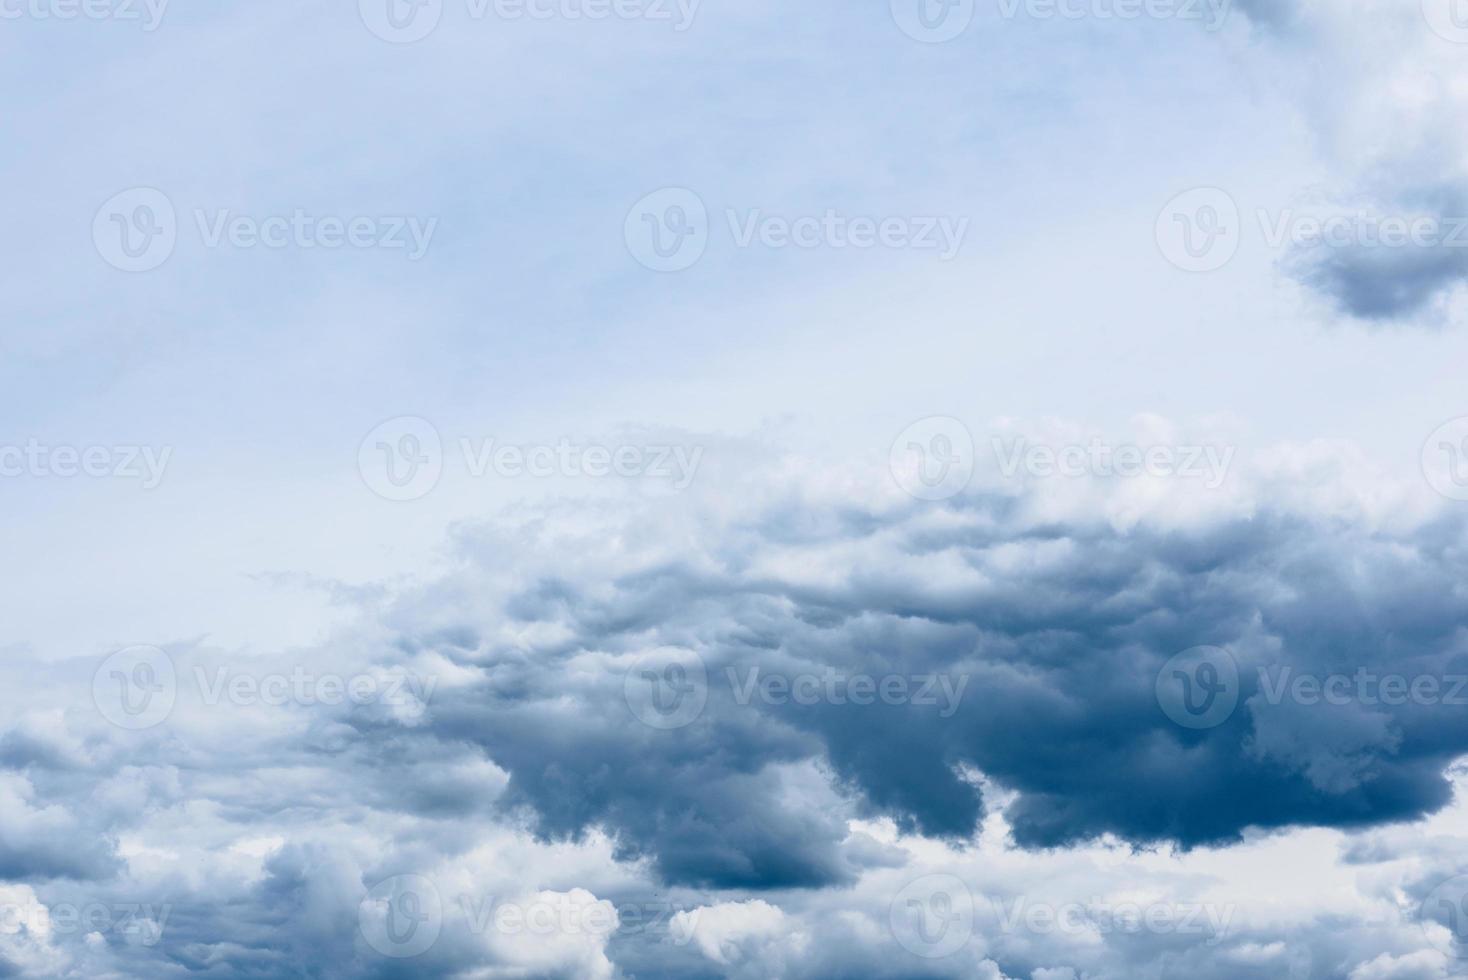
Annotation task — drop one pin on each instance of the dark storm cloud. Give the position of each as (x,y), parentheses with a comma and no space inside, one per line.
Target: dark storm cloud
(1060,633)
(1056,631)
(1372,282)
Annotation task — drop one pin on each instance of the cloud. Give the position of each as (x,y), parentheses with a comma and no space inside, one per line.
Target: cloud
(1382,88)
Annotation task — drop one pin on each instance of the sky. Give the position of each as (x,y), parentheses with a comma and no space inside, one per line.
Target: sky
(672,488)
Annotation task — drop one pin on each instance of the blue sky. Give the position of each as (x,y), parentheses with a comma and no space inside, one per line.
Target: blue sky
(264,380)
